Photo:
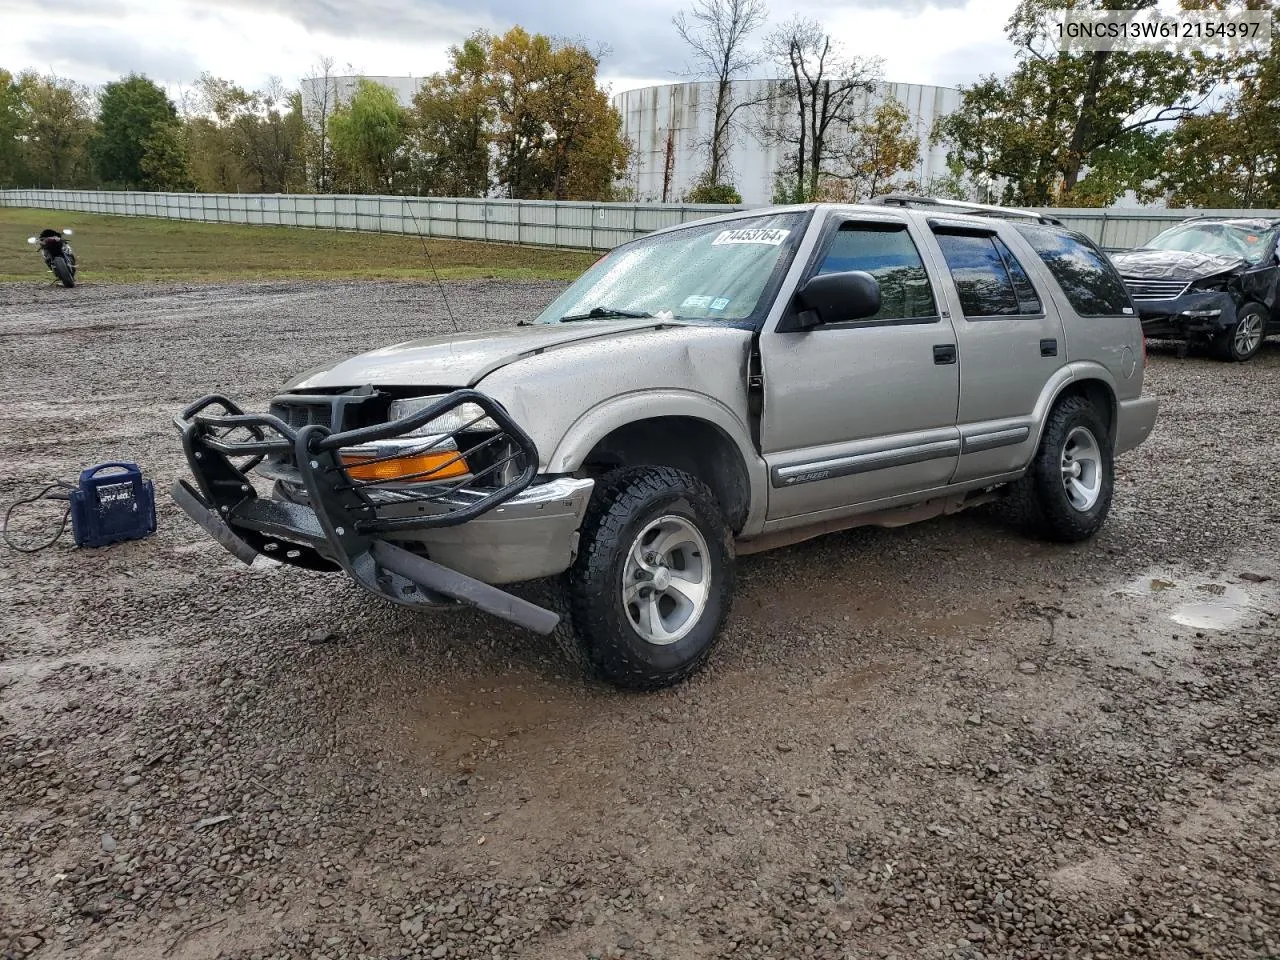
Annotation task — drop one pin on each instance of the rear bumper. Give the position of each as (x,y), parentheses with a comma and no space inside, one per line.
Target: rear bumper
(1135,420)
(419,544)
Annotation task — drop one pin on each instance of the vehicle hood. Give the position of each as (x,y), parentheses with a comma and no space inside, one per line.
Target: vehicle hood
(1174,264)
(464,359)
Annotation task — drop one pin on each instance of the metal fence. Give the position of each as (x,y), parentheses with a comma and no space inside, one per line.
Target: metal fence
(582,226)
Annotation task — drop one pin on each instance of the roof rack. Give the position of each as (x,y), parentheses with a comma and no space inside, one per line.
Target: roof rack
(1219,216)
(960,206)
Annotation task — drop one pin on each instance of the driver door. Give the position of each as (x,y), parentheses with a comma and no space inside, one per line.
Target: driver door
(862,411)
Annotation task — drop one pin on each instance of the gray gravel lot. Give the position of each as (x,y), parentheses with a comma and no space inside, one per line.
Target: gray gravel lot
(943,740)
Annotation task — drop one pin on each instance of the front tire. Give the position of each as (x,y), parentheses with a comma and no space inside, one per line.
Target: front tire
(651,587)
(1243,340)
(63,272)
(1066,493)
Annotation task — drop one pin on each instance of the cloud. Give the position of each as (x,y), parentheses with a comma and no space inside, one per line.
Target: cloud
(994,56)
(71,50)
(922,41)
(436,23)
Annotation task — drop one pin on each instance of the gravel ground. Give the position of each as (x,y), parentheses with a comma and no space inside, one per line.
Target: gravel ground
(943,740)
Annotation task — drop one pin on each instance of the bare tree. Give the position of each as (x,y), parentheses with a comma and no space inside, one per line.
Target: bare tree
(823,96)
(317,113)
(716,32)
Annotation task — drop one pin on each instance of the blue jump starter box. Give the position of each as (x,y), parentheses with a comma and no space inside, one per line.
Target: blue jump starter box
(112,503)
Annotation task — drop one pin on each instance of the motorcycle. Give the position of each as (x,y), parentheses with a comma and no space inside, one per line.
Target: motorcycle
(58,255)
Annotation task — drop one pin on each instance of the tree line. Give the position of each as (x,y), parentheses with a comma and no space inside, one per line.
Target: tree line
(518,115)
(522,115)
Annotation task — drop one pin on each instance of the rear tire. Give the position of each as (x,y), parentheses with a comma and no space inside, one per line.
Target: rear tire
(651,586)
(63,272)
(1066,493)
(1244,339)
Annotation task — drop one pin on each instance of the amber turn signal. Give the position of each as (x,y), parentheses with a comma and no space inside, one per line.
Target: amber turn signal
(419,468)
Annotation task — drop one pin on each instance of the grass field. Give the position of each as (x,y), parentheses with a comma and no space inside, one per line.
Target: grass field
(137,249)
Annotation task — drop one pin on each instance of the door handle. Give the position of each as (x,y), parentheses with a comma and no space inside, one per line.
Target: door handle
(1048,348)
(944,353)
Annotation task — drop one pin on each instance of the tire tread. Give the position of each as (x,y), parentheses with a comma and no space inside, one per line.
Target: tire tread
(619,495)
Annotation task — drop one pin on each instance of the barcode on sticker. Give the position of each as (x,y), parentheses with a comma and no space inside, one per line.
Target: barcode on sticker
(771,238)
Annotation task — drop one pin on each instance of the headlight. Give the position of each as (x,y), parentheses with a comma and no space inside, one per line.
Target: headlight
(464,418)
(1211,285)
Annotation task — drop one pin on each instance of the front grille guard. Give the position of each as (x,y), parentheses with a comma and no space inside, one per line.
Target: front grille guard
(356,508)
(346,525)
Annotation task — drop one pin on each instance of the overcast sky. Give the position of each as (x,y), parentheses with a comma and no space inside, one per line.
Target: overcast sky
(944,42)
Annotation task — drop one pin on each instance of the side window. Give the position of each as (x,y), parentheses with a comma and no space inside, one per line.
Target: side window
(979,265)
(1087,277)
(1028,299)
(887,252)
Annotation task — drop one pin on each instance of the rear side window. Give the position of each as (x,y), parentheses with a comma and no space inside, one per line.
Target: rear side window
(1086,276)
(988,277)
(887,252)
(1028,299)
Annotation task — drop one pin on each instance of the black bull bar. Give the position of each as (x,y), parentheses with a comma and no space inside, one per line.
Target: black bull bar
(349,524)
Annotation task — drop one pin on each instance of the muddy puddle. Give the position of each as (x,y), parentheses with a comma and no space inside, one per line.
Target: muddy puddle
(1203,602)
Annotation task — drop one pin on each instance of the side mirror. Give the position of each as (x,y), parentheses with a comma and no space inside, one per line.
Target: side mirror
(837,298)
(66,233)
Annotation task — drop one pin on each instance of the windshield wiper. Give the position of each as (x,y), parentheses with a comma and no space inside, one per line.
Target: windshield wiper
(598,313)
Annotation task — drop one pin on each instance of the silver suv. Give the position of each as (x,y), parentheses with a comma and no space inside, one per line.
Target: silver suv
(707,391)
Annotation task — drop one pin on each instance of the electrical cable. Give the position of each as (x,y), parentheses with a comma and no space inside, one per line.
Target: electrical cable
(42,495)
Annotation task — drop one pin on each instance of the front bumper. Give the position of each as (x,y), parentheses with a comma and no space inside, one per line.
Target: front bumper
(1192,315)
(424,544)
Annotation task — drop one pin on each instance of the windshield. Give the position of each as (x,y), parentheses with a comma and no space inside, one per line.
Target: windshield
(1225,240)
(718,272)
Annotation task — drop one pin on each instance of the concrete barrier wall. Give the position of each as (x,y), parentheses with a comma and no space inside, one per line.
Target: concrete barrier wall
(581,226)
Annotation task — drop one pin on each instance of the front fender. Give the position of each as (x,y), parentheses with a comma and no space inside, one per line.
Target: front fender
(602,419)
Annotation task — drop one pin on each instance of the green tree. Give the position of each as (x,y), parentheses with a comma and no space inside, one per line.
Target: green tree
(452,123)
(556,135)
(130,112)
(13,172)
(1230,156)
(367,134)
(165,162)
(873,152)
(705,190)
(1061,114)
(57,131)
(245,140)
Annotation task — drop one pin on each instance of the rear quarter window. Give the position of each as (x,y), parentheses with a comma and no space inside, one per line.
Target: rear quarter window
(1087,277)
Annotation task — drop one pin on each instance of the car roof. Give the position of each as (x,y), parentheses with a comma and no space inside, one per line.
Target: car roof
(874,210)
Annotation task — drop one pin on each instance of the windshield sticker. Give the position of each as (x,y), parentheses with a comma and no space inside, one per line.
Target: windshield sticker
(695,303)
(771,238)
(719,303)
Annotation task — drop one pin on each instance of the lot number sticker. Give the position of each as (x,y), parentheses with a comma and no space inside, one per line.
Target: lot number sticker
(770,238)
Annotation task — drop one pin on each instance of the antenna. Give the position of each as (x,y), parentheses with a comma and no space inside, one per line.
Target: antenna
(431,263)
